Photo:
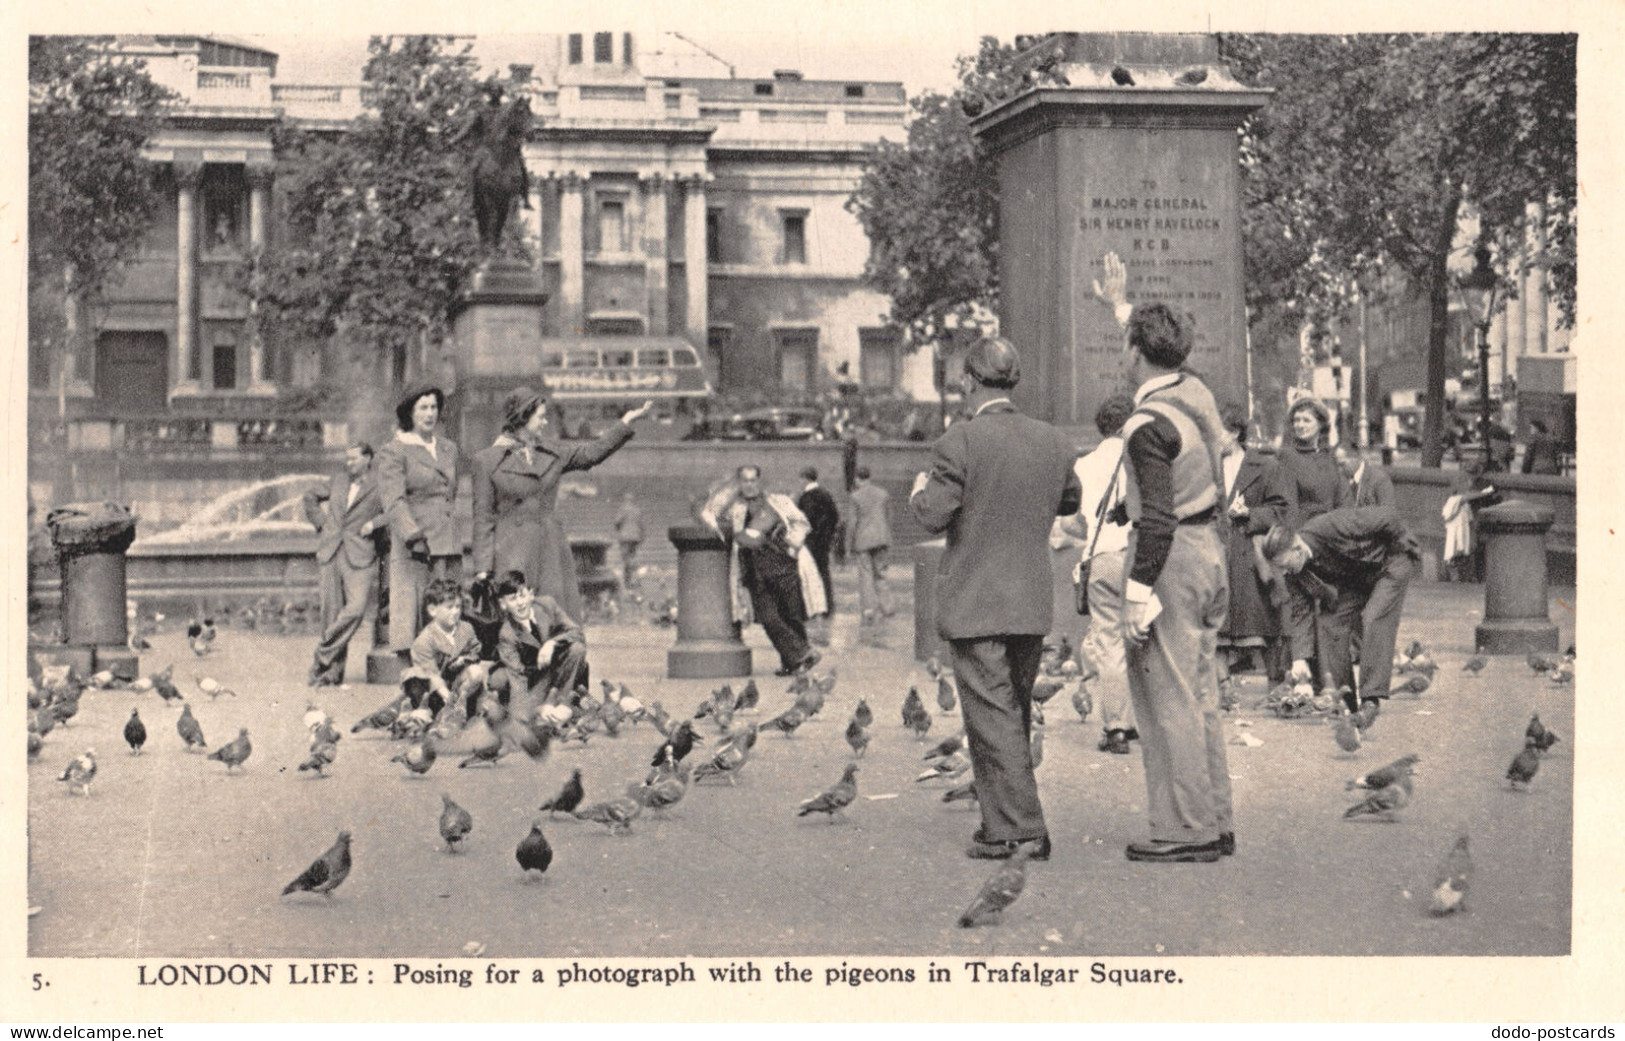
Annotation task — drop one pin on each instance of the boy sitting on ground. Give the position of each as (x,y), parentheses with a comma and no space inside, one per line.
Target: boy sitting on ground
(541,649)
(446,653)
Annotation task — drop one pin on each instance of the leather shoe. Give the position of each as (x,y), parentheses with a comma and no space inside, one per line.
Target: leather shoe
(1131,734)
(1115,742)
(981,849)
(1227,843)
(806,664)
(1176,852)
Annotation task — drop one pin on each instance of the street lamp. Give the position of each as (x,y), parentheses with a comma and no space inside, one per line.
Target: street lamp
(1478,291)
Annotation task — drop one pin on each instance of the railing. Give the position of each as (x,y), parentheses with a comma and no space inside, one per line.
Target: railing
(155,436)
(207,80)
(282,434)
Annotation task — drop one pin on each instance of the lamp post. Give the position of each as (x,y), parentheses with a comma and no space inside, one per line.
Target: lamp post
(1478,290)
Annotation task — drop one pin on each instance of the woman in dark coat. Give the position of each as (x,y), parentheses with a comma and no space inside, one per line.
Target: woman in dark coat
(417,480)
(1257,499)
(516,492)
(1314,481)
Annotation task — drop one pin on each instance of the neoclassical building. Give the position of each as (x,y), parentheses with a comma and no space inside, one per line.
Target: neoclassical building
(666,207)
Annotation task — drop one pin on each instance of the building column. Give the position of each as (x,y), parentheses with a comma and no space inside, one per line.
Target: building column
(1538,282)
(572,269)
(654,251)
(259,175)
(188,175)
(533,222)
(697,324)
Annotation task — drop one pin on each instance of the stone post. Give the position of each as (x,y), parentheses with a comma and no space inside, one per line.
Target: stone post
(1516,620)
(91,541)
(708,642)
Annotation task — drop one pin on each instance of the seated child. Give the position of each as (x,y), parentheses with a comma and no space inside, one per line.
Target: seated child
(446,653)
(540,647)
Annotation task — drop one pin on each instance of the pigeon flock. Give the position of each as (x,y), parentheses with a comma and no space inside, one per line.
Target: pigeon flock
(714,745)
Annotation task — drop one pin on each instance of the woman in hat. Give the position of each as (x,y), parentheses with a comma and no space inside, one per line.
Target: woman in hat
(417,479)
(516,490)
(1314,481)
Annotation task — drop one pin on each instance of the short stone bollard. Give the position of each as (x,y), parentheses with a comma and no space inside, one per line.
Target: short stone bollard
(708,642)
(1516,620)
(927,559)
(91,541)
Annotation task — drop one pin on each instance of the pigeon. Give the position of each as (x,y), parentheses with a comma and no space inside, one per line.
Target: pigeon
(834,799)
(236,753)
(314,717)
(1347,732)
(1383,776)
(1384,801)
(322,754)
(187,727)
(946,747)
(911,706)
(35,743)
(213,687)
(1539,662)
(664,790)
(917,719)
(1536,736)
(1082,703)
(1123,78)
(135,732)
(749,697)
(326,734)
(326,871)
(1563,673)
(660,717)
(863,714)
(486,746)
(200,636)
(1046,687)
(810,702)
(1454,877)
(1422,663)
(1414,649)
(788,721)
(533,852)
(722,695)
(418,757)
(410,726)
(857,737)
(1415,684)
(1475,665)
(455,822)
(534,739)
(729,760)
(163,684)
(616,814)
(1036,745)
(951,767)
(379,720)
(999,891)
(105,680)
(79,773)
(678,745)
(946,698)
(65,706)
(568,798)
(1366,717)
(1524,767)
(722,713)
(631,706)
(933,667)
(1192,78)
(964,792)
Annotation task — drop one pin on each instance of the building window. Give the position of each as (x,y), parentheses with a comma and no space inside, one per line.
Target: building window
(225,210)
(798,361)
(794,223)
(719,342)
(614,327)
(764,90)
(854,90)
(879,357)
(603,48)
(225,366)
(626,49)
(612,226)
(713,235)
(575,48)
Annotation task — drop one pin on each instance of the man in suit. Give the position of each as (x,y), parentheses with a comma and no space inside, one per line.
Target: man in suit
(1357,563)
(349,519)
(540,648)
(1176,593)
(997,482)
(1369,483)
(868,539)
(825,517)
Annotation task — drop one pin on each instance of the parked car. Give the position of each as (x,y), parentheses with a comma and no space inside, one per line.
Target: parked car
(778,423)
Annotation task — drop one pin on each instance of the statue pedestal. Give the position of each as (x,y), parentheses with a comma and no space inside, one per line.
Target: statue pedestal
(497,325)
(708,642)
(1147,169)
(1516,619)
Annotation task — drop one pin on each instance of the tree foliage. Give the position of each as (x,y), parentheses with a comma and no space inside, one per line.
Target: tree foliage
(91,196)
(380,236)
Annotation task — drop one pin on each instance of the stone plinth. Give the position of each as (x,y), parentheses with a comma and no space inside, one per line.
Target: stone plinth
(1147,169)
(708,642)
(1515,613)
(497,325)
(927,558)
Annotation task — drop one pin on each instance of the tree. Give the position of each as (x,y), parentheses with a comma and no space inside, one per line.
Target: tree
(380,230)
(1377,150)
(91,196)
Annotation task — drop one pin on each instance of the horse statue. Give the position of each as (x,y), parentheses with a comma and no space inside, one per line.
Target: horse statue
(498,167)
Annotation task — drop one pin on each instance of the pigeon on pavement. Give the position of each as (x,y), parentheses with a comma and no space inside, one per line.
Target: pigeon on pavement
(1082,703)
(379,720)
(1347,733)
(999,891)
(1524,767)
(1454,876)
(568,798)
(187,727)
(616,814)
(911,706)
(1383,776)
(857,737)
(834,799)
(966,791)
(1475,665)
(418,757)
(236,753)
(749,697)
(455,822)
(534,853)
(1536,735)
(788,720)
(322,754)
(663,790)
(1384,802)
(326,872)
(486,747)
(947,698)
(729,760)
(213,687)
(950,768)
(946,747)
(79,772)
(863,714)
(135,732)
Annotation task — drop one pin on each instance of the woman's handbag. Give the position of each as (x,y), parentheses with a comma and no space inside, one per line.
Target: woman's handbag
(1080,573)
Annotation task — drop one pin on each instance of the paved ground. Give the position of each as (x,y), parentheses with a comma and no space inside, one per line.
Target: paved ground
(170,857)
